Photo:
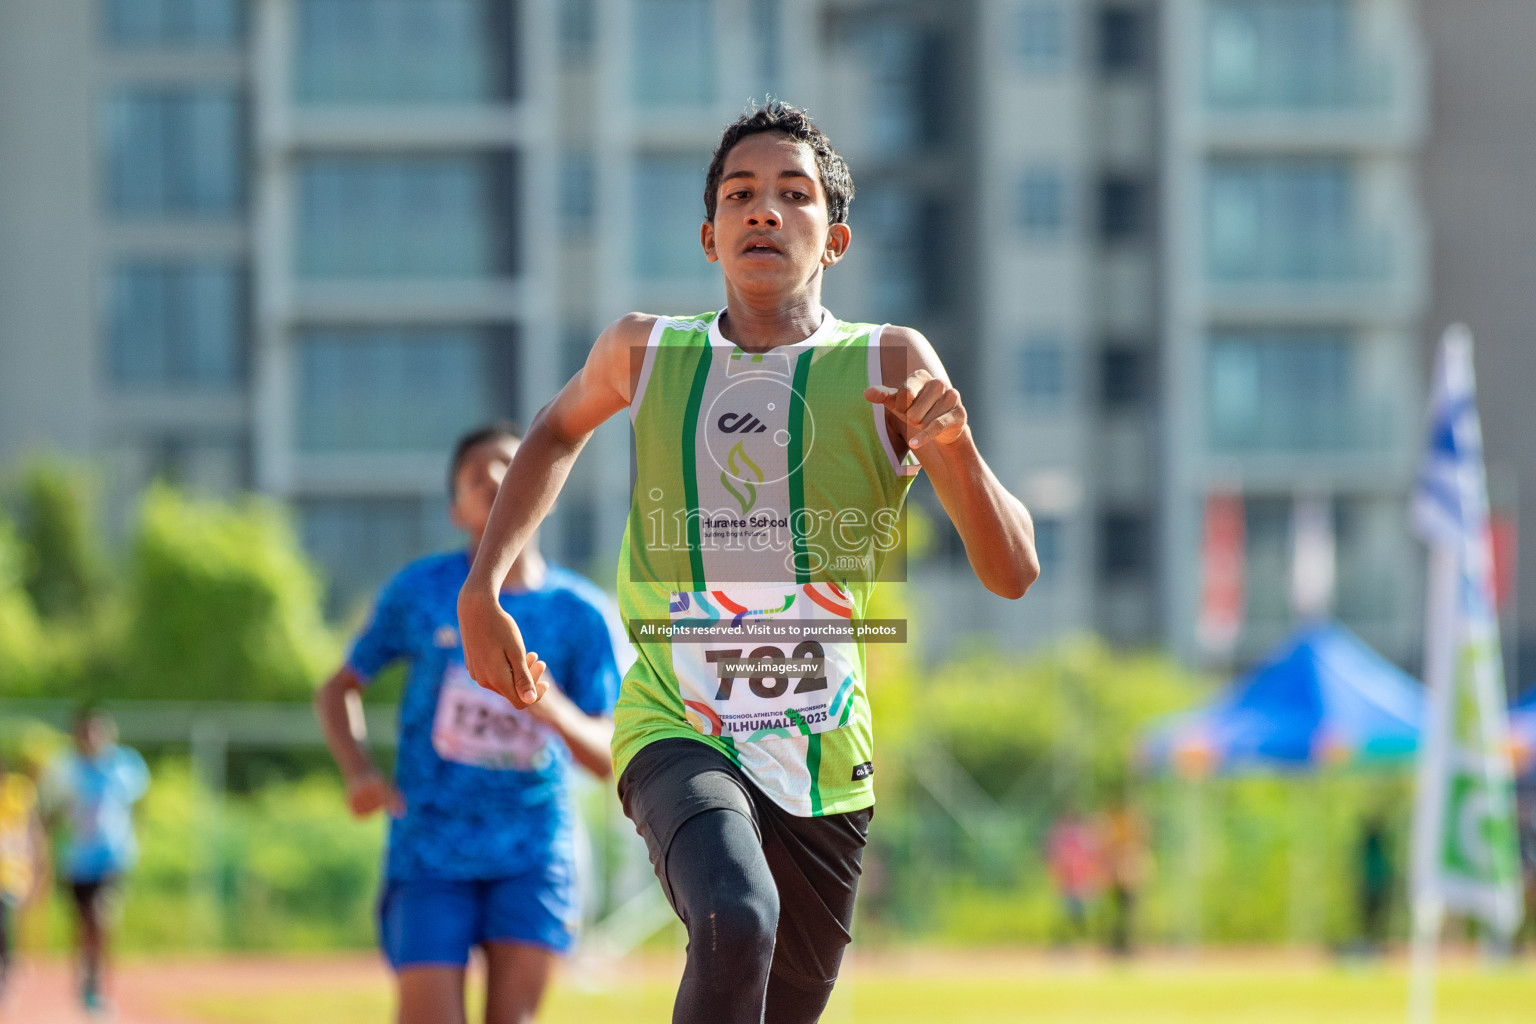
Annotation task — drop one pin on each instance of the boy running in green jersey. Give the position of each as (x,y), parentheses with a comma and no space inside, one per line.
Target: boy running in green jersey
(773,449)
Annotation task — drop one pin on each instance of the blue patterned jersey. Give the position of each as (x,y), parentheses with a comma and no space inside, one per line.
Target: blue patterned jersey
(484,783)
(96,797)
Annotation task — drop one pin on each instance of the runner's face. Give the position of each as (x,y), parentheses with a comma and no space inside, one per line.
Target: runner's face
(770,229)
(91,736)
(475,484)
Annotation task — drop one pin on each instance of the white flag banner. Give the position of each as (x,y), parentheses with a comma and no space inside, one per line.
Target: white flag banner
(1465,844)
(1312,556)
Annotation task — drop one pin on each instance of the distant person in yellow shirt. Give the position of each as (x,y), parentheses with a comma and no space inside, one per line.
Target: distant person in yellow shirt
(1123,838)
(22,859)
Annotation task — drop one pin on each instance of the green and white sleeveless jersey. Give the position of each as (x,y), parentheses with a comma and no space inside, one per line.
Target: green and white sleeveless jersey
(767,497)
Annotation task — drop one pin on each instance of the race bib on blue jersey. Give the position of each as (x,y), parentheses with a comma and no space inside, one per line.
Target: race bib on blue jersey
(480,728)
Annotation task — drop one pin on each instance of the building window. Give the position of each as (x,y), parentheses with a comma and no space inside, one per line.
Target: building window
(175,152)
(578,529)
(1284,220)
(1124,37)
(1125,546)
(908,71)
(1049,542)
(400,390)
(175,22)
(405,51)
(888,213)
(1367,534)
(1043,372)
(358,542)
(578,29)
(768,37)
(407,216)
(674,55)
(1294,391)
(177,325)
(578,190)
(1122,209)
(937,254)
(1266,558)
(576,342)
(208,461)
(668,208)
(1042,35)
(1281,53)
(1126,378)
(912,234)
(1043,205)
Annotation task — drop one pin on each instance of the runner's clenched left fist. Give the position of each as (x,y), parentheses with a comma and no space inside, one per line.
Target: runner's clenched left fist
(931,408)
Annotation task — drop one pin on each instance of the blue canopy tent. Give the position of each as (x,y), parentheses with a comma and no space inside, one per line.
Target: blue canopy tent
(1323,698)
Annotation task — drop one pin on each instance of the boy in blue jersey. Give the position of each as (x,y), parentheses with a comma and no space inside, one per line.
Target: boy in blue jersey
(481,846)
(91,791)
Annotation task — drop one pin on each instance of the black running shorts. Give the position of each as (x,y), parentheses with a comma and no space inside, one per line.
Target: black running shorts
(814,861)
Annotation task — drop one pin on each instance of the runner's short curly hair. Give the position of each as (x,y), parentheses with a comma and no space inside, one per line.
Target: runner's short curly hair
(778,116)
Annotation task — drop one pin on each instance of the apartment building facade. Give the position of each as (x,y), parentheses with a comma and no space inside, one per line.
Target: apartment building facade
(1295,279)
(1167,248)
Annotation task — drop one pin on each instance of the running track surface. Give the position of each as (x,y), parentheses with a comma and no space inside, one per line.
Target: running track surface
(44,992)
(156,991)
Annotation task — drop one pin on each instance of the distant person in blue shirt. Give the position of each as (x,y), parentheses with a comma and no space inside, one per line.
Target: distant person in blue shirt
(482,842)
(90,792)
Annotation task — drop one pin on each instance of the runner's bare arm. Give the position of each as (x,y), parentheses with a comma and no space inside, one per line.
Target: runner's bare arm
(494,652)
(926,412)
(338,706)
(589,737)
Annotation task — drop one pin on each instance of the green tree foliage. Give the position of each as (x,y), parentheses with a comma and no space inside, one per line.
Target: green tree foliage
(22,644)
(64,570)
(976,757)
(220,605)
(1280,854)
(1061,726)
(1260,858)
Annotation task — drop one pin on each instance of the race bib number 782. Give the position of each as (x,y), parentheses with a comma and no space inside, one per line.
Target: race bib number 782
(748,686)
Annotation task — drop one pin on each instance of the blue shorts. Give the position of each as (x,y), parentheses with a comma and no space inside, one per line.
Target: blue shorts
(436,922)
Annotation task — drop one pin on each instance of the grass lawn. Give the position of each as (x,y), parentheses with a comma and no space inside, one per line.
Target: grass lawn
(990,988)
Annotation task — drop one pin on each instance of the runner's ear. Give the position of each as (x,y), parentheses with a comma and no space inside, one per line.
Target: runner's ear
(839,237)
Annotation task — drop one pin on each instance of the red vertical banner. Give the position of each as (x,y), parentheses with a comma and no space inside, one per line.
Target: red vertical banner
(1504,533)
(1223,573)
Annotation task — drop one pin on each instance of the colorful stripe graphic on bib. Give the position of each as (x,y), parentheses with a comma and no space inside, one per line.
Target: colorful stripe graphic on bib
(740,612)
(831,597)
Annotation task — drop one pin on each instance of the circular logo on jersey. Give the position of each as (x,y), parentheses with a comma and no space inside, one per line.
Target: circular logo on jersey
(748,434)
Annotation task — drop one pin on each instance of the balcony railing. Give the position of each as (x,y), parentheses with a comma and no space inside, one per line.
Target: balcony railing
(1278,428)
(1285,74)
(1303,85)
(1366,273)
(1341,256)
